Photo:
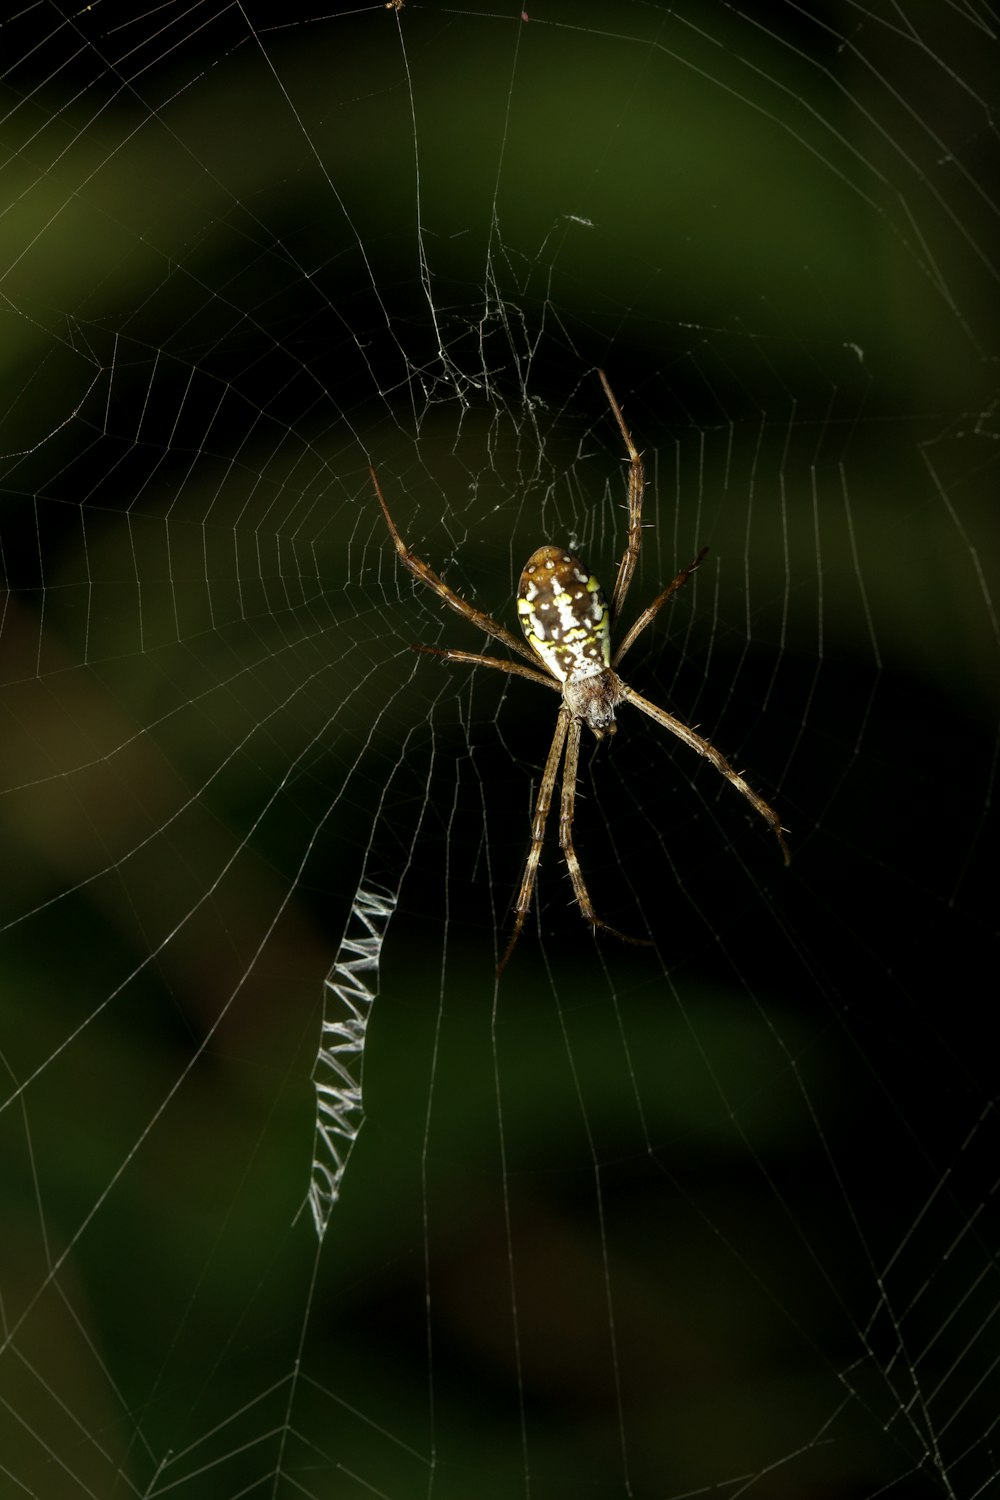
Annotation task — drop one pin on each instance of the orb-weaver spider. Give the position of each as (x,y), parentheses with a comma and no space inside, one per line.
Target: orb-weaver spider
(567,624)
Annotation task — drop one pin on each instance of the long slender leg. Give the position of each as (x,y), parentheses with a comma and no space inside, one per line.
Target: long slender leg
(566,813)
(636,489)
(475,660)
(542,805)
(650,613)
(718,760)
(427,575)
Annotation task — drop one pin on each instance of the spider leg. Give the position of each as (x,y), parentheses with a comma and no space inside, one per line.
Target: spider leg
(566,814)
(420,570)
(636,489)
(650,613)
(718,760)
(475,660)
(542,805)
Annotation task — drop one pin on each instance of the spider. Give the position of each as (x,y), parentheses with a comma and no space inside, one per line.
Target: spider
(567,624)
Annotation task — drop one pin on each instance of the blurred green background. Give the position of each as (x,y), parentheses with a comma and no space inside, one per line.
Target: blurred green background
(640,1222)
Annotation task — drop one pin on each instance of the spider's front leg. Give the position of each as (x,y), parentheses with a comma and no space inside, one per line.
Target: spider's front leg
(566,738)
(698,742)
(567,812)
(544,801)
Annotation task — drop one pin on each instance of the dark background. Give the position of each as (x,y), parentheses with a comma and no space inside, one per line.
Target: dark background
(715,1213)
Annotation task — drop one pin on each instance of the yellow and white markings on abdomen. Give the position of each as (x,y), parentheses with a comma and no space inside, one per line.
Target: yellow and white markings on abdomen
(564,615)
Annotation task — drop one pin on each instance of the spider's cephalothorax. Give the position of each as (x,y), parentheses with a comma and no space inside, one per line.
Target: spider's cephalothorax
(567,623)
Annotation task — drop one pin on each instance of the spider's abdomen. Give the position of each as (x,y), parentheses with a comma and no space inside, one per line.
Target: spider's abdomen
(564,615)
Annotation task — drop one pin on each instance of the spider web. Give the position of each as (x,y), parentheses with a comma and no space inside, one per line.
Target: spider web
(296,1198)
